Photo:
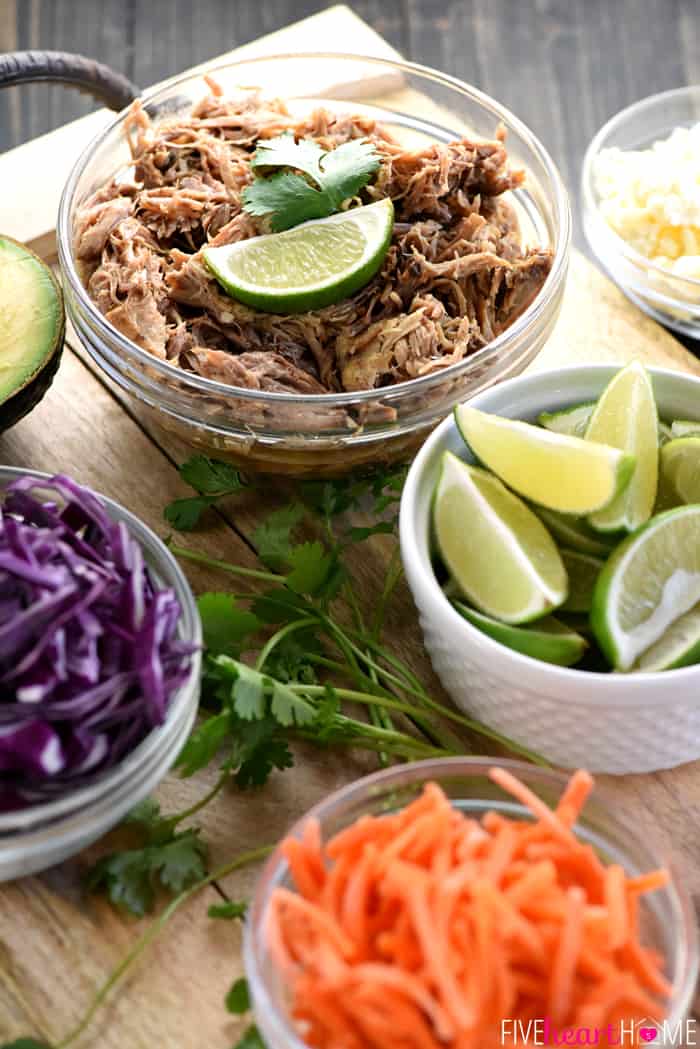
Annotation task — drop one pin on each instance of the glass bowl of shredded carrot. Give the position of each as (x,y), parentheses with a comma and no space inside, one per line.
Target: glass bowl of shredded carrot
(459,903)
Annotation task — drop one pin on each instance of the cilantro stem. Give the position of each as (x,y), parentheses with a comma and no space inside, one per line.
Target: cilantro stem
(365,698)
(354,605)
(398,748)
(289,628)
(474,726)
(446,739)
(198,805)
(393,575)
(226,566)
(398,664)
(372,737)
(378,668)
(150,934)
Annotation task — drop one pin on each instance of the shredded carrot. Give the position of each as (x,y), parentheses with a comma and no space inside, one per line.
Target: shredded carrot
(425,929)
(574,797)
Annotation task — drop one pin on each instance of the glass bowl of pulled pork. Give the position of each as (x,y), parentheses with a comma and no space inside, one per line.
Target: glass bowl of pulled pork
(301,263)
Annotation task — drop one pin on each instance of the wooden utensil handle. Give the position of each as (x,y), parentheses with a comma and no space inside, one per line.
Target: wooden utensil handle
(60,67)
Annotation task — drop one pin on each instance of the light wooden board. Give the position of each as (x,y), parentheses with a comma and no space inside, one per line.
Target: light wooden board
(56,945)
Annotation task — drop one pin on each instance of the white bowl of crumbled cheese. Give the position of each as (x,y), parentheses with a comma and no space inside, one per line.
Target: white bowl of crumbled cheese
(641,205)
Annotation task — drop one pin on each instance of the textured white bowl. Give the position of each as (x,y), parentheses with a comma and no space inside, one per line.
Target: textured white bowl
(604,722)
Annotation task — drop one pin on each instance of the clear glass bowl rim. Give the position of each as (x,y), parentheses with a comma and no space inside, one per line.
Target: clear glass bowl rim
(561,221)
(38,816)
(588,195)
(686,960)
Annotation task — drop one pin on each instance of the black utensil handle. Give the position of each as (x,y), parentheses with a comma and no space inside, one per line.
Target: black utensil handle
(60,67)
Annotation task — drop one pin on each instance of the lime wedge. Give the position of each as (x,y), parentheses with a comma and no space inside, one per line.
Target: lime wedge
(678,647)
(680,468)
(547,640)
(666,495)
(571,421)
(575,533)
(651,579)
(309,266)
(685,428)
(626,418)
(557,471)
(666,433)
(500,554)
(574,421)
(582,570)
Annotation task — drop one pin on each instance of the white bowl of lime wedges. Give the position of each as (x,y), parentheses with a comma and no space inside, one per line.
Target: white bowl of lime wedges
(556,565)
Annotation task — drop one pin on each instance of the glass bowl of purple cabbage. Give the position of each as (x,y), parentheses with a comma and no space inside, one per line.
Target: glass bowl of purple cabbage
(100,645)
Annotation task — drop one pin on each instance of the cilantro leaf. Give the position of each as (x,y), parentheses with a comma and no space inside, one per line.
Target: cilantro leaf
(212,477)
(272,538)
(285,152)
(181,862)
(231,910)
(224,624)
(250,1040)
(145,815)
(126,878)
(289,659)
(288,708)
(248,692)
(347,169)
(311,567)
(251,690)
(260,747)
(184,514)
(330,498)
(290,198)
(167,859)
(357,535)
(205,742)
(238,997)
(279,605)
(130,878)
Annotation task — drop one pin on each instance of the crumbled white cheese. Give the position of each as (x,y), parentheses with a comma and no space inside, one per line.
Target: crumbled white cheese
(651,198)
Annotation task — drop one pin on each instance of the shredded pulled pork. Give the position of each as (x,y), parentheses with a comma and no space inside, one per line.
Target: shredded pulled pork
(455,276)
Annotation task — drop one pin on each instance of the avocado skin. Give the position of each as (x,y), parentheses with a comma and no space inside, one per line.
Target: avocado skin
(26,398)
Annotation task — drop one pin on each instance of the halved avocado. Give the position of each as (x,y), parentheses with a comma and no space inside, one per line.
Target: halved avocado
(32,330)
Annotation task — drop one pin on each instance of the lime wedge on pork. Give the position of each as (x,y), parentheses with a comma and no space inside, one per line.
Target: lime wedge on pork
(625,417)
(307,267)
(651,579)
(495,548)
(554,470)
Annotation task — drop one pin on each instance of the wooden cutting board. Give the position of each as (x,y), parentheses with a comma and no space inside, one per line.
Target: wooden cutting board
(57,945)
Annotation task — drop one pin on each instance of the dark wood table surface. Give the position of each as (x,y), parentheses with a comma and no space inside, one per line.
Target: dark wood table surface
(564,66)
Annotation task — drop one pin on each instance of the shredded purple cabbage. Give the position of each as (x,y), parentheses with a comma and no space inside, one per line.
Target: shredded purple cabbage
(89,651)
